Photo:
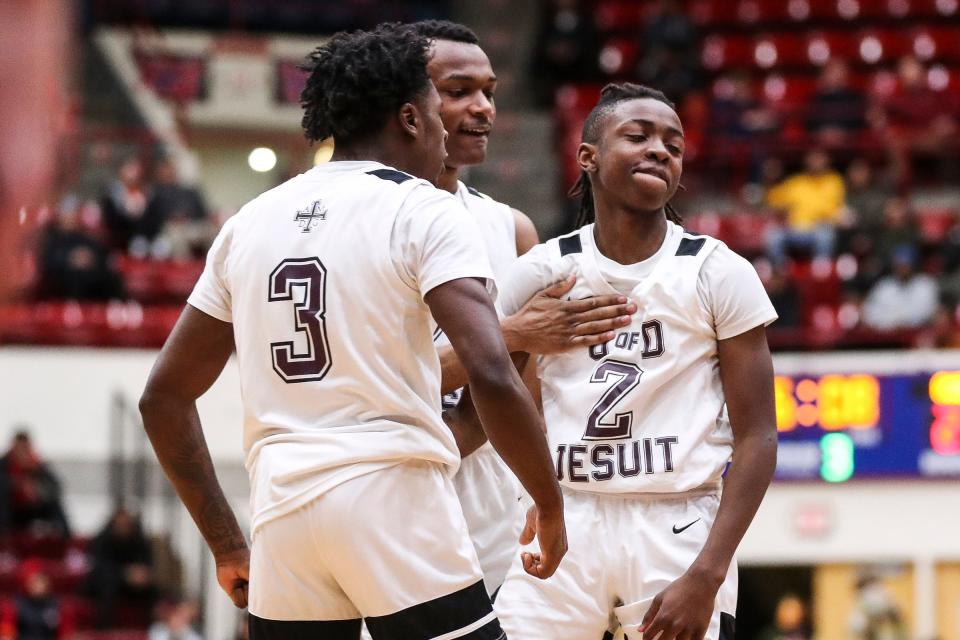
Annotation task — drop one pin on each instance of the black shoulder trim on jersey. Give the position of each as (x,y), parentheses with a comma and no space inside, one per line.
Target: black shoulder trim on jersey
(390,174)
(570,244)
(692,233)
(690,247)
(728,626)
(474,192)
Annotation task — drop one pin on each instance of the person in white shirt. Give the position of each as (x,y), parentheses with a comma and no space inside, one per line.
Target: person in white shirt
(904,299)
(326,286)
(643,426)
(488,491)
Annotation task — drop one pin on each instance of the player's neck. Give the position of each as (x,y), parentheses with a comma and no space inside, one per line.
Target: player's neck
(384,154)
(629,237)
(449,178)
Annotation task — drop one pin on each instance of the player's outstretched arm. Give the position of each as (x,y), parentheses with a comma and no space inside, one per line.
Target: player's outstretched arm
(549,324)
(191,360)
(746,372)
(464,311)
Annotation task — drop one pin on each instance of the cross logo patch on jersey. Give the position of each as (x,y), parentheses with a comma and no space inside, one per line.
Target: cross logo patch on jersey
(307,218)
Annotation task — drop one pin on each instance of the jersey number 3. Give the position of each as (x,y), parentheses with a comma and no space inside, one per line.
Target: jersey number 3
(599,425)
(309,276)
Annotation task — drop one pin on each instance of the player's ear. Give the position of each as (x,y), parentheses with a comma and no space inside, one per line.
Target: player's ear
(409,119)
(587,157)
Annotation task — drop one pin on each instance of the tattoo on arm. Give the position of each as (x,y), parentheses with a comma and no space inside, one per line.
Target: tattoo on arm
(185,458)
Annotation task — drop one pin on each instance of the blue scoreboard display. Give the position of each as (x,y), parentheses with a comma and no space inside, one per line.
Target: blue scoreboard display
(842,426)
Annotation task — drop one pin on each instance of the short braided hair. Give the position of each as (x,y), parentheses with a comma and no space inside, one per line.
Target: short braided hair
(358,79)
(610,96)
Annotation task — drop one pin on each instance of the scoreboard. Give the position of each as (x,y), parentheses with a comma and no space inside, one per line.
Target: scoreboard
(869,422)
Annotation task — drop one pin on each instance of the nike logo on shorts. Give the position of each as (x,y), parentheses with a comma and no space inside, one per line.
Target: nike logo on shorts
(682,529)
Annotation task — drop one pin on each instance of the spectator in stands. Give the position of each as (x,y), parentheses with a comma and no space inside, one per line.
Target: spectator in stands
(122,567)
(942,332)
(918,121)
(864,212)
(175,619)
(736,113)
(876,615)
(74,264)
(170,199)
(669,44)
(567,48)
(742,126)
(186,228)
(36,614)
(95,170)
(784,297)
(874,247)
(789,621)
(30,495)
(836,111)
(125,209)
(812,201)
(950,258)
(899,229)
(905,299)
(866,195)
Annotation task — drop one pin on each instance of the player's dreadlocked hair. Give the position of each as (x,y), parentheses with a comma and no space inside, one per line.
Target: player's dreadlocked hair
(357,80)
(611,95)
(446,30)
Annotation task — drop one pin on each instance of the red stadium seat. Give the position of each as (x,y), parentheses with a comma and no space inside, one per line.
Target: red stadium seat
(576,98)
(619,56)
(873,48)
(746,232)
(712,14)
(83,613)
(823,45)
(761,12)
(619,15)
(935,223)
(945,43)
(159,280)
(780,50)
(720,52)
(824,10)
(788,91)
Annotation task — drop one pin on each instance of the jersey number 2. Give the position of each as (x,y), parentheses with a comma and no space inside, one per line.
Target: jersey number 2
(627,377)
(310,276)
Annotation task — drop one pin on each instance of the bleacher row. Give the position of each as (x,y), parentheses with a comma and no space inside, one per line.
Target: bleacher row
(158,289)
(781,45)
(734,15)
(65,563)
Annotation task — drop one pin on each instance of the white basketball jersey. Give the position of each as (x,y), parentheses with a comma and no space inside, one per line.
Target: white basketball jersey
(497,226)
(643,413)
(323,279)
(498,230)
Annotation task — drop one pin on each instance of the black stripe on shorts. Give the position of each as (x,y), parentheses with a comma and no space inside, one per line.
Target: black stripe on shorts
(440,616)
(263,629)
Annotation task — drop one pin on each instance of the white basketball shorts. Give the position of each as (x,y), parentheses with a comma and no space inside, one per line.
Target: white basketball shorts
(623,551)
(391,546)
(490,497)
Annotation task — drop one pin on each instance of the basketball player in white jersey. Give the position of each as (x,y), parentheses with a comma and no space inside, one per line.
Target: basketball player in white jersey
(488,491)
(326,286)
(642,427)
